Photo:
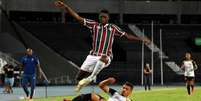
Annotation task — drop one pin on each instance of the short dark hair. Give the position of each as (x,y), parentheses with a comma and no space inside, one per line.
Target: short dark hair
(129,84)
(104,11)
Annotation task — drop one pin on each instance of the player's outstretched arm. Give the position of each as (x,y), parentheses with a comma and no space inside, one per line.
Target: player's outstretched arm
(104,84)
(134,38)
(61,4)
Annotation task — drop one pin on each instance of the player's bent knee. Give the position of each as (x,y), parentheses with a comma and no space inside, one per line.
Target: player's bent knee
(104,59)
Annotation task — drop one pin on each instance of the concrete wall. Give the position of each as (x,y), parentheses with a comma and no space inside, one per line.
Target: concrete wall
(52,63)
(114,6)
(9,44)
(0,16)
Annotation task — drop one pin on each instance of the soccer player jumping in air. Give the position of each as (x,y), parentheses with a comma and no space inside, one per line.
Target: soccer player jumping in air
(103,34)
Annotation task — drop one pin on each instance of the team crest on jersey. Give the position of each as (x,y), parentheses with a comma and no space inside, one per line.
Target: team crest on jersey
(110,29)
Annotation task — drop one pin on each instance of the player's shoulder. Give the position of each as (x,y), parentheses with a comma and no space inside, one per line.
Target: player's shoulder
(35,57)
(185,60)
(90,20)
(114,26)
(24,57)
(188,60)
(112,91)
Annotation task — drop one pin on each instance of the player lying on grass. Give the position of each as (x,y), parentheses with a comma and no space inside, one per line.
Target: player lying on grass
(87,97)
(126,90)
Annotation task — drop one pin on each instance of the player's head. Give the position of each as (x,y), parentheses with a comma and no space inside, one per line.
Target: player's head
(29,51)
(104,16)
(147,64)
(188,55)
(126,89)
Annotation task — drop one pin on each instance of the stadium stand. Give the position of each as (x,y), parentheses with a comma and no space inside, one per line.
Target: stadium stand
(127,55)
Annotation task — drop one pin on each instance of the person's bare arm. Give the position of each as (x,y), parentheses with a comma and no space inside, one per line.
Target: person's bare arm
(135,38)
(132,37)
(150,71)
(104,84)
(61,4)
(145,72)
(39,71)
(195,65)
(182,66)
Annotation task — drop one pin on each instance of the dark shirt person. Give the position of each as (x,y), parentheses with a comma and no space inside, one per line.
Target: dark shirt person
(147,76)
(9,78)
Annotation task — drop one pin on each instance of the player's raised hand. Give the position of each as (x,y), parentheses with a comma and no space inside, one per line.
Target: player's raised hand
(59,4)
(111,80)
(147,41)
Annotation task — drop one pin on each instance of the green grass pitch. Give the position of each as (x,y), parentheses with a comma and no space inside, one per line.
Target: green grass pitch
(158,94)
